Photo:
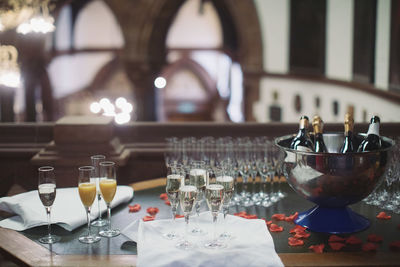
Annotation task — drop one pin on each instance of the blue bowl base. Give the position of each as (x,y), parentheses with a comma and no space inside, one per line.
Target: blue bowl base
(332,220)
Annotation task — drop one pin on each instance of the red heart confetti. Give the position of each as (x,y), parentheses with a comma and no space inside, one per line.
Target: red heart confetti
(295,242)
(134,208)
(279,217)
(335,238)
(375,238)
(303,234)
(275,228)
(148,218)
(383,216)
(164,196)
(167,202)
(336,245)
(395,245)
(297,228)
(152,211)
(179,216)
(353,240)
(369,247)
(251,216)
(317,248)
(292,217)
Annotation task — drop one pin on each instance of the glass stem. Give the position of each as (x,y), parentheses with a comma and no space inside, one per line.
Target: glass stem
(48,221)
(109,216)
(173,217)
(88,221)
(98,201)
(225,210)
(215,226)
(186,226)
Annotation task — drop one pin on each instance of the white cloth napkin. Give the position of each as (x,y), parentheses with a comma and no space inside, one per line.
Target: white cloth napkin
(252,245)
(67,210)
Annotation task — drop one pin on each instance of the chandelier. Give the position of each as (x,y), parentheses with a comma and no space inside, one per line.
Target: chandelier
(9,69)
(26,15)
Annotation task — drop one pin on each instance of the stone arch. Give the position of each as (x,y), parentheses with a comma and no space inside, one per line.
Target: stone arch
(145,26)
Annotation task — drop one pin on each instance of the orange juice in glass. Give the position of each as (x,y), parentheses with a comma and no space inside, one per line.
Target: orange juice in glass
(87,192)
(108,188)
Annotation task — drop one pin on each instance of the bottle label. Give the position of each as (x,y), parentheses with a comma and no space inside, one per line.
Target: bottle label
(373,129)
(303,149)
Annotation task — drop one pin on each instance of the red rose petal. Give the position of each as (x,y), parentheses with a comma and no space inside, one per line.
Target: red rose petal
(148,218)
(369,247)
(268,223)
(240,214)
(353,240)
(295,242)
(251,216)
(292,217)
(297,228)
(275,228)
(383,216)
(303,234)
(336,245)
(395,245)
(317,248)
(375,238)
(179,216)
(134,208)
(152,211)
(335,238)
(164,196)
(167,202)
(279,217)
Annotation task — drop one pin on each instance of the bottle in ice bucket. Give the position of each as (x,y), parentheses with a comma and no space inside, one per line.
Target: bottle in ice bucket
(373,140)
(302,140)
(348,143)
(319,145)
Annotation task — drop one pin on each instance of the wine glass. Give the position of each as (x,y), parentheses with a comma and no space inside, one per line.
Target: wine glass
(96,159)
(87,193)
(174,180)
(47,194)
(187,196)
(214,197)
(198,178)
(108,187)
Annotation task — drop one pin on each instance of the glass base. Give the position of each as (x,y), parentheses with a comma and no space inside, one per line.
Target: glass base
(49,239)
(198,231)
(226,236)
(109,233)
(185,245)
(171,235)
(99,223)
(214,244)
(89,239)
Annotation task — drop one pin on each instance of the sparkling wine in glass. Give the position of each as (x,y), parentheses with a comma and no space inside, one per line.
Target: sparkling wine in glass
(198,177)
(47,194)
(214,197)
(174,180)
(108,188)
(227,182)
(187,197)
(87,193)
(96,159)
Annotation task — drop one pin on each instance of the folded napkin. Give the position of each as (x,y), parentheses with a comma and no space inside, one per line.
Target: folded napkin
(252,245)
(67,210)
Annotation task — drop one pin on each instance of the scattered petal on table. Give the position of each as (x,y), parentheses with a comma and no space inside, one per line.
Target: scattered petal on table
(297,228)
(369,247)
(353,240)
(292,217)
(275,228)
(295,242)
(134,208)
(383,216)
(152,211)
(279,216)
(336,245)
(317,248)
(335,238)
(374,238)
(164,196)
(148,218)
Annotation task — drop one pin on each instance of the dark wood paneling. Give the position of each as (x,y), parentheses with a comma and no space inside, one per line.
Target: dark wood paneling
(394,72)
(307,36)
(364,40)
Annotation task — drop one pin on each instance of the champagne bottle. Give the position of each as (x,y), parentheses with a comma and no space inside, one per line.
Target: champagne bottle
(348,145)
(319,145)
(372,141)
(302,140)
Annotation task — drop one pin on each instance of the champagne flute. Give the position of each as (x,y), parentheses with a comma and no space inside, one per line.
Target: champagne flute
(47,194)
(174,180)
(108,187)
(187,196)
(96,159)
(225,178)
(214,197)
(198,177)
(87,193)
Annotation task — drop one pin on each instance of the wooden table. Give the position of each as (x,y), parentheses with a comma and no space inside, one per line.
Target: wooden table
(20,247)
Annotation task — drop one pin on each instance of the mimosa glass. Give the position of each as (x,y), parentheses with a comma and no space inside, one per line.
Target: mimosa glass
(87,193)
(108,187)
